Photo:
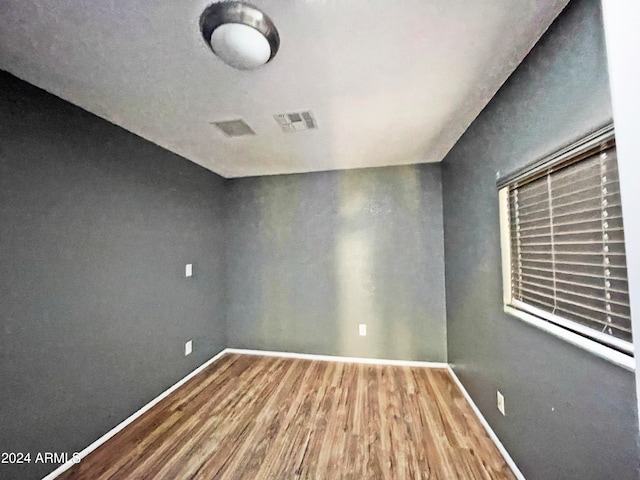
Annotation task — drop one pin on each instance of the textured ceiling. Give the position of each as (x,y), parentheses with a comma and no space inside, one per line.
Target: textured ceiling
(388,82)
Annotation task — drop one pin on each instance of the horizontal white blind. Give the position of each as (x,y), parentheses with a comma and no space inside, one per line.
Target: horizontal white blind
(567,248)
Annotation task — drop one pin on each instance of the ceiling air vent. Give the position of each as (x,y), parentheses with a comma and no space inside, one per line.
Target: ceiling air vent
(235,128)
(294,122)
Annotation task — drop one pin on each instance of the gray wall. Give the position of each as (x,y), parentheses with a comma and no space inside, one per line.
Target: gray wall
(570,415)
(96,226)
(312,256)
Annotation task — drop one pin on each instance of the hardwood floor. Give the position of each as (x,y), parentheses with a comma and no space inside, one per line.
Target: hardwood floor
(253,417)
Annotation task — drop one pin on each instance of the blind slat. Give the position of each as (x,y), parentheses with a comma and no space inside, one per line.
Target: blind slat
(570,309)
(575,298)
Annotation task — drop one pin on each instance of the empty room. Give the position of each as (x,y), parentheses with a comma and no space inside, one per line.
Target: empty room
(319,239)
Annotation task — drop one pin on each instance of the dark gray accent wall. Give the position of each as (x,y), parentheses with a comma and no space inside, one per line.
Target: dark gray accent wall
(312,256)
(570,415)
(96,226)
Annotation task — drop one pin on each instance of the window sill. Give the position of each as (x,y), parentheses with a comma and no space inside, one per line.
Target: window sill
(609,354)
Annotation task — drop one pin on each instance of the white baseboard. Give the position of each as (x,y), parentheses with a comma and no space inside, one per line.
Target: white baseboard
(67,465)
(487,427)
(331,358)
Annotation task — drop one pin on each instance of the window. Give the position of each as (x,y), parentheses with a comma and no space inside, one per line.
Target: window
(563,243)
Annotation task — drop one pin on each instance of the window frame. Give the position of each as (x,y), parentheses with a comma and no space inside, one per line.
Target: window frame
(562,328)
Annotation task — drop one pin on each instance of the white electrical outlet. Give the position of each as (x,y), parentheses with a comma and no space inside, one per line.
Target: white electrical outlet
(362,329)
(188,270)
(501,402)
(188,348)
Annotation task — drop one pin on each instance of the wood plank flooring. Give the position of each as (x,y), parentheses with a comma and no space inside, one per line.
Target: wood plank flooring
(254,417)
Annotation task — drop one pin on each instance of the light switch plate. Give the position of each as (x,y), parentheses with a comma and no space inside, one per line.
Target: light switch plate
(188,348)
(188,270)
(500,402)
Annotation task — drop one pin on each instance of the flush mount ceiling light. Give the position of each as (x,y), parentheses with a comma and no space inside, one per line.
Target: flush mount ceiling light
(240,34)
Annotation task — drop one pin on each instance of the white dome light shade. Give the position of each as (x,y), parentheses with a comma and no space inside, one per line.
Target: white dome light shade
(240,46)
(240,34)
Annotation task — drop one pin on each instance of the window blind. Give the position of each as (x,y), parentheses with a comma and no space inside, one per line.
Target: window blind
(567,248)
